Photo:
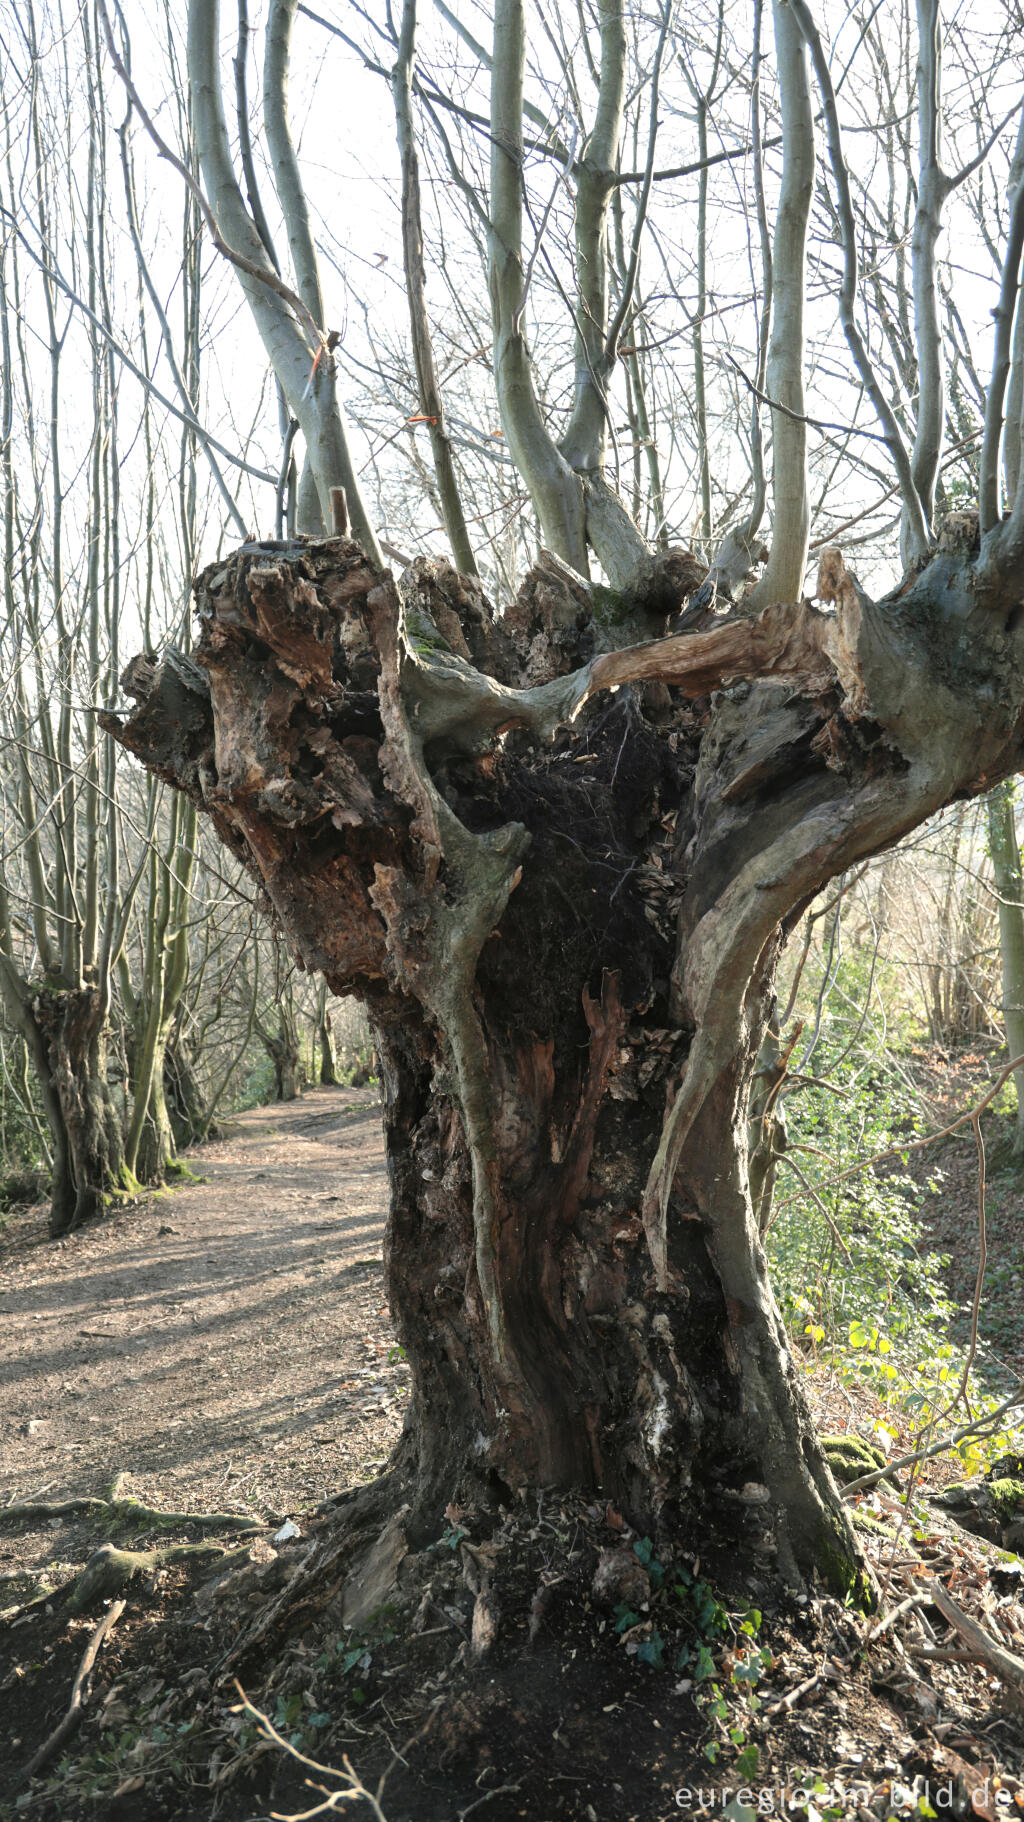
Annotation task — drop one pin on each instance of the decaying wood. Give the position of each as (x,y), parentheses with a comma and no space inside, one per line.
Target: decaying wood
(562,894)
(983,1646)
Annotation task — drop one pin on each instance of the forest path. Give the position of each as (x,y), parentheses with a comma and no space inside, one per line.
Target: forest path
(226,1344)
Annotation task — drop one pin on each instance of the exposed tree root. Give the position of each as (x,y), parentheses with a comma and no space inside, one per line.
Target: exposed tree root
(109,1569)
(334,1558)
(79,1694)
(122,1506)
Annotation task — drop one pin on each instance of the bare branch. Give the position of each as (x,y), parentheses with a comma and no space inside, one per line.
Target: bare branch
(783,576)
(1004,312)
(918,530)
(45,262)
(430,401)
(629,284)
(262,272)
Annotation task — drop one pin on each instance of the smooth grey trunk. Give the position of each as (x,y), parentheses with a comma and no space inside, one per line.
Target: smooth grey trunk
(784,574)
(932,190)
(741,550)
(554,488)
(430,403)
(917,533)
(583,444)
(311,396)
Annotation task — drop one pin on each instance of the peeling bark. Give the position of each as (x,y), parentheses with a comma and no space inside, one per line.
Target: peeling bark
(563,909)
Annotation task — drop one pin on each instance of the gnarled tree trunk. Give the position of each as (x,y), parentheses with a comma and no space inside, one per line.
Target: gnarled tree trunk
(282,1048)
(183,1097)
(88,1153)
(563,908)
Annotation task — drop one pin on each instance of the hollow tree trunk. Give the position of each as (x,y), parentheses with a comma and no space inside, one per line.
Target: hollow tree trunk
(88,1154)
(564,920)
(658,1396)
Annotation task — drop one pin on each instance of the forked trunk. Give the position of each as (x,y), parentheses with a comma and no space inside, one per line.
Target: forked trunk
(284,1054)
(564,920)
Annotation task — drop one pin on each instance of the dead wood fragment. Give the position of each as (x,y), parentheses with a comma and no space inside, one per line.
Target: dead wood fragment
(1005,1663)
(323,1571)
(79,1694)
(484,1629)
(372,1580)
(827,1674)
(540,1604)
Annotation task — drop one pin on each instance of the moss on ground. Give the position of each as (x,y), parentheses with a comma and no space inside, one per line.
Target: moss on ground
(850,1456)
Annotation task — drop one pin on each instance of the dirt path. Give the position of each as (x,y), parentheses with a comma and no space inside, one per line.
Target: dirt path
(226,1345)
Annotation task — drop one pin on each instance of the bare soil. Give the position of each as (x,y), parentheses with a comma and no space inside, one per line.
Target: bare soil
(226,1345)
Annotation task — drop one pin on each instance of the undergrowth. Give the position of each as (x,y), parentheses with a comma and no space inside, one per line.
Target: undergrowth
(862,1292)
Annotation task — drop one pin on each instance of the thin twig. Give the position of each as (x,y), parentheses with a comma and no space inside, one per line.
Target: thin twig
(800,417)
(792,1696)
(979,1280)
(784,1158)
(500,1790)
(895,1613)
(899,1151)
(263,274)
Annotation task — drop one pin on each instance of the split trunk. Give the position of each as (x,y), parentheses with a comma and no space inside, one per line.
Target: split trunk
(559,873)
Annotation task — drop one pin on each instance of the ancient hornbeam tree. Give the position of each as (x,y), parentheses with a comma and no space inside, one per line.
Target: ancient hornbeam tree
(556,850)
(560,881)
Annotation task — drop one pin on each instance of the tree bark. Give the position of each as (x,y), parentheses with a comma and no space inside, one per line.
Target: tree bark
(429,402)
(183,1096)
(783,577)
(282,1047)
(565,920)
(310,391)
(325,1039)
(1005,850)
(88,1153)
(156,1156)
